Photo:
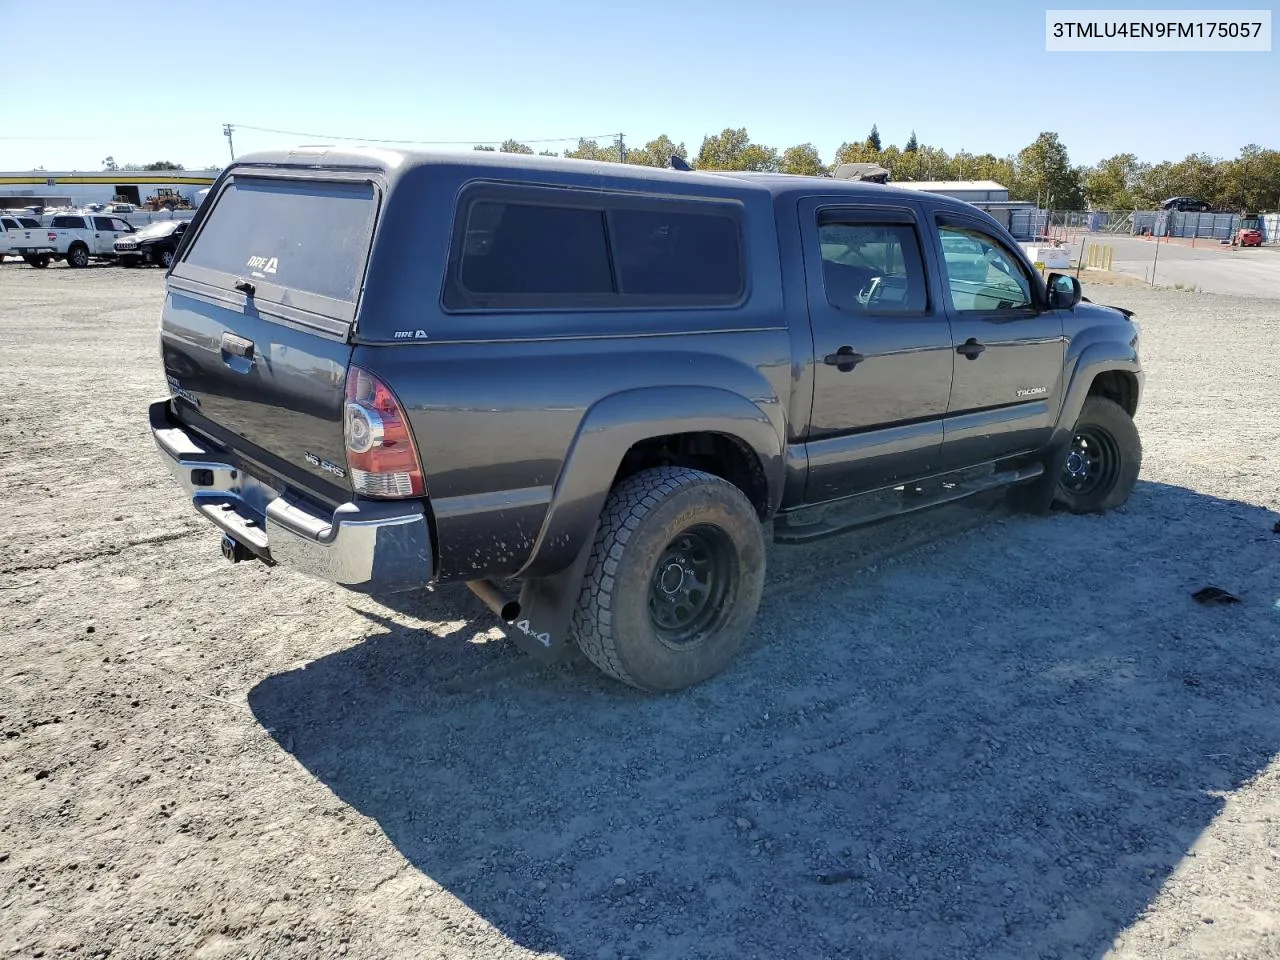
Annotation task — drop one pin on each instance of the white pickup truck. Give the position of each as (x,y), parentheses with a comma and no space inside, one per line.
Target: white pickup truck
(73,237)
(14,221)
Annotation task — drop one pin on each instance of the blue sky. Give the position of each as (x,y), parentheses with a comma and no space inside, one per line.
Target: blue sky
(971,75)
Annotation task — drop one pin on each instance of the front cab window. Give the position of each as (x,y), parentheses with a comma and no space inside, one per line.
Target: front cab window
(981,274)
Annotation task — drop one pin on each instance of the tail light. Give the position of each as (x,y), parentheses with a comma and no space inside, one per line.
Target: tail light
(381,457)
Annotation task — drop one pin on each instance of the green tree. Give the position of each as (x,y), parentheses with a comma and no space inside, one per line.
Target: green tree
(803,159)
(912,144)
(1044,172)
(657,152)
(873,139)
(547,153)
(590,150)
(110,164)
(483,147)
(514,146)
(733,150)
(1113,183)
(163,165)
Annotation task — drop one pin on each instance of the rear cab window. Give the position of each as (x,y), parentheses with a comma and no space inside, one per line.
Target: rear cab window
(529,247)
(303,243)
(68,223)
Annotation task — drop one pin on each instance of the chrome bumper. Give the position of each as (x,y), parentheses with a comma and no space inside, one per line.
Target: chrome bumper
(367,545)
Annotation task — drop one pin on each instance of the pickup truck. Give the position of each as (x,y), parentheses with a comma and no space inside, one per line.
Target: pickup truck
(14,222)
(73,237)
(590,391)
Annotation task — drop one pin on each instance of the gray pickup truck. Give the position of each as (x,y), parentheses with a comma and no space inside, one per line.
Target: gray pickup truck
(590,391)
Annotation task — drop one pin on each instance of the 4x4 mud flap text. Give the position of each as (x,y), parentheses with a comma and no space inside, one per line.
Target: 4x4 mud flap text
(546,610)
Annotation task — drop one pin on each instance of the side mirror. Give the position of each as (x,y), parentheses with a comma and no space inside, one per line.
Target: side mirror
(1064,291)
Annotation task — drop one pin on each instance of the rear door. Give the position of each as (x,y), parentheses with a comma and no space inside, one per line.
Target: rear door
(882,345)
(1008,345)
(257,318)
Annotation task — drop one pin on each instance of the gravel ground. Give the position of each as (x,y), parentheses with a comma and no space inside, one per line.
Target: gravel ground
(968,735)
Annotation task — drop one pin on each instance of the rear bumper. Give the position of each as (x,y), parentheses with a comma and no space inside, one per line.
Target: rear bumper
(365,545)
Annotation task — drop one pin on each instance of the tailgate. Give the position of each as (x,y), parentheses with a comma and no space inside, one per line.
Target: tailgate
(257,320)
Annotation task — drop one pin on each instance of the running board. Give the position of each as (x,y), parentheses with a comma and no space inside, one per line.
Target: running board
(835,519)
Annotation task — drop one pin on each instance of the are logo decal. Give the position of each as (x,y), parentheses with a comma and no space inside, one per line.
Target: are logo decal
(265,264)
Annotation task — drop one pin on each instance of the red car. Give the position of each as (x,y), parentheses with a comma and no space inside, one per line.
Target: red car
(1249,238)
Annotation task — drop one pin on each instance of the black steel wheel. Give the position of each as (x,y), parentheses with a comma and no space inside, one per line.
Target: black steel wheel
(690,583)
(674,579)
(1103,461)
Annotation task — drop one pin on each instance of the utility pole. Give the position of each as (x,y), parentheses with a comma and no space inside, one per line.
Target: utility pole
(622,150)
(226,132)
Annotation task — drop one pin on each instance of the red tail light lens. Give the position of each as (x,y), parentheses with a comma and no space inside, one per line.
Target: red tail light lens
(381,457)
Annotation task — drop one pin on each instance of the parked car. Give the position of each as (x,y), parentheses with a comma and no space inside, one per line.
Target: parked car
(1249,237)
(76,238)
(1186,205)
(14,222)
(588,390)
(154,243)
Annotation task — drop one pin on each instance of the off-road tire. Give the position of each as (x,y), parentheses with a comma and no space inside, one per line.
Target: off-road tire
(643,517)
(78,256)
(1113,424)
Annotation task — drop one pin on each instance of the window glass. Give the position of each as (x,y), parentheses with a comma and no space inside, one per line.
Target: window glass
(68,223)
(981,274)
(872,268)
(676,253)
(103,223)
(118,224)
(533,249)
(307,235)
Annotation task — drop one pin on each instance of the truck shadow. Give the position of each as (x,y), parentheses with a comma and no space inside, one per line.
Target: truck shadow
(999,745)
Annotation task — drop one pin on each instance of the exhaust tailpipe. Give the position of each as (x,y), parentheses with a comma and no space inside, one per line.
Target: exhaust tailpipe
(506,610)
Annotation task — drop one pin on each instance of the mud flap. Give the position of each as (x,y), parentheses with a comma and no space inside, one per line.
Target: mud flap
(546,610)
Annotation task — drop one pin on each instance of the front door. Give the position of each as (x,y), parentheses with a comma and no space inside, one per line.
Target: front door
(882,348)
(1008,381)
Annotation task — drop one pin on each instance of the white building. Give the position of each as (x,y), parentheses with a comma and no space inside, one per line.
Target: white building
(73,188)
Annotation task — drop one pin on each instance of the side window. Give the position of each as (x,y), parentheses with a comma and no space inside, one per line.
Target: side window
(118,224)
(872,268)
(675,253)
(534,249)
(103,223)
(981,274)
(68,223)
(8,224)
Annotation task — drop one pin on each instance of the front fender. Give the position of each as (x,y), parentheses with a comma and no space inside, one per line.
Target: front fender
(1092,352)
(616,423)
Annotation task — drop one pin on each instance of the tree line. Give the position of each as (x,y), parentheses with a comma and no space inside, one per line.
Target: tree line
(1040,172)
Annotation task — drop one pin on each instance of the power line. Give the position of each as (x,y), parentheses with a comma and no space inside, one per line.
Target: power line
(423,143)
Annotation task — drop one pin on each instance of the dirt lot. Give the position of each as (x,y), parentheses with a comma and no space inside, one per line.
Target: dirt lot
(974,735)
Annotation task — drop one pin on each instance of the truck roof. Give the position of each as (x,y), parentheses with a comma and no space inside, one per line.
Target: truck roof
(396,163)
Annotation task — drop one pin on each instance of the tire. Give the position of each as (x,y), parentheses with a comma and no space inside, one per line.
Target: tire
(78,256)
(39,262)
(165,258)
(664,532)
(1104,459)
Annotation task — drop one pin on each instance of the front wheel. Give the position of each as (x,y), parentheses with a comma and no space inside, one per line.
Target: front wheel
(1103,462)
(674,580)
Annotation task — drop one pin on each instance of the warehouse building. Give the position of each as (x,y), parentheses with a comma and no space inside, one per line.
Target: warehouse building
(41,188)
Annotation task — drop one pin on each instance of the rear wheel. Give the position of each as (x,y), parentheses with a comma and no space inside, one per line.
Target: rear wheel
(674,580)
(1103,461)
(39,261)
(78,256)
(165,258)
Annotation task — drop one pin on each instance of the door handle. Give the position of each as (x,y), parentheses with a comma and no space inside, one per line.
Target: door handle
(970,348)
(843,359)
